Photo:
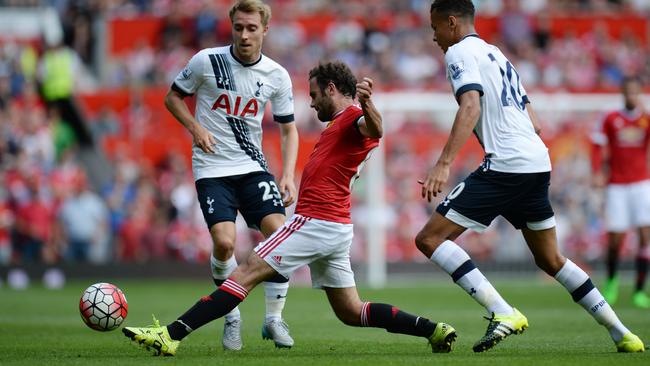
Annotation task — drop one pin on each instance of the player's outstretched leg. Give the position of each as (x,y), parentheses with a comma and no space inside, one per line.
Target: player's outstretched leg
(274,327)
(165,340)
(231,340)
(441,336)
(583,291)
(352,311)
(153,337)
(504,319)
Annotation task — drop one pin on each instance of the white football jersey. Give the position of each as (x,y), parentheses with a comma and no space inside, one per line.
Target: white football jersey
(230,100)
(504,128)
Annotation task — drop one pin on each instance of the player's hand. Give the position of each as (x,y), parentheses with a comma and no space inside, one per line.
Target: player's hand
(598,180)
(364,90)
(288,191)
(204,139)
(437,177)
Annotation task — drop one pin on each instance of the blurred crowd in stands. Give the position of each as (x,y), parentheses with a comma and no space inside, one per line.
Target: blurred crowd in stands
(50,211)
(390,40)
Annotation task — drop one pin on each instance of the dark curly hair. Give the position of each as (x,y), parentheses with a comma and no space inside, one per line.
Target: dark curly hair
(458,8)
(337,73)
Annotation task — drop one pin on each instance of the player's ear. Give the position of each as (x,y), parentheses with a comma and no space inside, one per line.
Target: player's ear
(265,30)
(452,21)
(331,88)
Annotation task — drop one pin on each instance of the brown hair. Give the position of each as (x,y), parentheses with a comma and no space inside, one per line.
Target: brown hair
(252,6)
(338,74)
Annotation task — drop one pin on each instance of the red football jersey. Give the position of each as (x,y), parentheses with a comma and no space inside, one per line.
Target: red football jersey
(333,166)
(627,136)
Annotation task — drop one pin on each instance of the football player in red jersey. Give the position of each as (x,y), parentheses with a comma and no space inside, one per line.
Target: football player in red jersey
(320,232)
(621,142)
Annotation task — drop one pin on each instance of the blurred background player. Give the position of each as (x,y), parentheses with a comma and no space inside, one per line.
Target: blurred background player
(512,181)
(620,160)
(233,85)
(320,232)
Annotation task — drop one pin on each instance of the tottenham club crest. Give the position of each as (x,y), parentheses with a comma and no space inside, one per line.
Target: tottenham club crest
(210,201)
(259,88)
(456,69)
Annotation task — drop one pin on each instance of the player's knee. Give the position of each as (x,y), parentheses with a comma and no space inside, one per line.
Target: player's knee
(348,315)
(428,242)
(550,263)
(251,272)
(223,247)
(254,263)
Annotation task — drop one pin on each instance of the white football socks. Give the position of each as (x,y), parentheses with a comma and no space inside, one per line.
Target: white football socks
(455,261)
(275,295)
(577,282)
(221,270)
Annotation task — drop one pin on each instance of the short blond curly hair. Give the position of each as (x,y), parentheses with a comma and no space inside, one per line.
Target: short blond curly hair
(252,6)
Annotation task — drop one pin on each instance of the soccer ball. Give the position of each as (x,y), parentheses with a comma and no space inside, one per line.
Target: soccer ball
(103,306)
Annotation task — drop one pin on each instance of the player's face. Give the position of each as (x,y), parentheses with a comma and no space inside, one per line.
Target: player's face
(321,102)
(443,29)
(248,33)
(631,94)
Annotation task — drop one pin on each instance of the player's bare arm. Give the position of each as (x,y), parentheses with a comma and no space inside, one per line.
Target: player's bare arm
(533,118)
(598,156)
(371,124)
(289,145)
(177,107)
(466,118)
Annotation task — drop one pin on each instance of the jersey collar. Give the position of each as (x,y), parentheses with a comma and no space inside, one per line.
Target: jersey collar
(343,110)
(471,35)
(232,53)
(631,114)
(335,116)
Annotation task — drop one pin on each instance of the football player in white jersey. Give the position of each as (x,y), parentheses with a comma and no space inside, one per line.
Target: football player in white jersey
(512,181)
(232,85)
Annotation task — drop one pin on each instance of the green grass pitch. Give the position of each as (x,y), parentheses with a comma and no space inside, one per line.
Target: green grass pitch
(43,327)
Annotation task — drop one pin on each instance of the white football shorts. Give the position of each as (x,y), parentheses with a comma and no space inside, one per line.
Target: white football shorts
(323,245)
(627,206)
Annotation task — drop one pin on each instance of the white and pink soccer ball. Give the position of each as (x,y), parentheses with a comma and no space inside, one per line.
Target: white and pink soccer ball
(103,307)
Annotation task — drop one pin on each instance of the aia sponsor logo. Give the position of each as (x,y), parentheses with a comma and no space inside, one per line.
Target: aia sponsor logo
(237,107)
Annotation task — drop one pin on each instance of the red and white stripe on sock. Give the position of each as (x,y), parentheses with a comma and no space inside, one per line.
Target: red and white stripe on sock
(365,314)
(234,289)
